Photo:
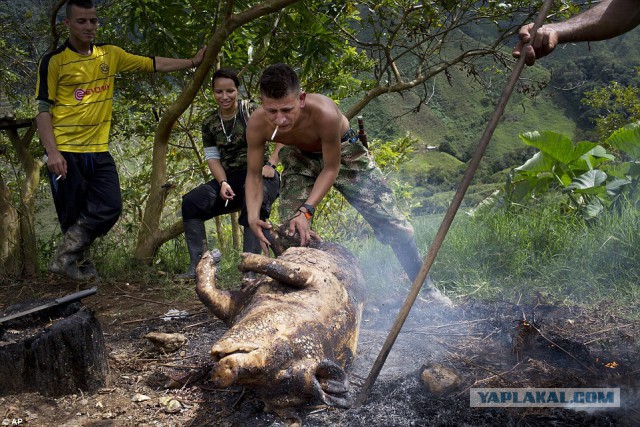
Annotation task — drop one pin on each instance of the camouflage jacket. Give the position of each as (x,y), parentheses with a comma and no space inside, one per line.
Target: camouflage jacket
(231,139)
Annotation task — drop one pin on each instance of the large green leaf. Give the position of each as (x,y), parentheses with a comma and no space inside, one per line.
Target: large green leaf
(616,186)
(557,145)
(600,152)
(587,182)
(538,163)
(627,139)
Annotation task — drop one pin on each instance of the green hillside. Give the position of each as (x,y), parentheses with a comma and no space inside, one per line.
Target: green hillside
(458,111)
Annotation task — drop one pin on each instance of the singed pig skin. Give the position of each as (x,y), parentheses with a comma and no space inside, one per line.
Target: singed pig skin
(294,331)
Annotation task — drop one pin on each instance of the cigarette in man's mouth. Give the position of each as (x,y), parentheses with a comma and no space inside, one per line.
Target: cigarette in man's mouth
(274,133)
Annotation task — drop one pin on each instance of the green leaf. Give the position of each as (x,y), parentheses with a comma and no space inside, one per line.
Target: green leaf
(615,187)
(627,139)
(600,152)
(557,145)
(587,181)
(538,163)
(592,209)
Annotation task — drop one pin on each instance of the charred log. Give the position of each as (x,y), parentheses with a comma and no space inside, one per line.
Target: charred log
(54,352)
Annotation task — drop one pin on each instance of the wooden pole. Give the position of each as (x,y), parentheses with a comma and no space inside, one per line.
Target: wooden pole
(450,214)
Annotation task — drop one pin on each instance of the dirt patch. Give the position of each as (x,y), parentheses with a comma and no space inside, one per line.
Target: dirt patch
(489,344)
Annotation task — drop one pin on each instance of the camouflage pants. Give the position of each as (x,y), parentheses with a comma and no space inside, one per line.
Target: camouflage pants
(359,180)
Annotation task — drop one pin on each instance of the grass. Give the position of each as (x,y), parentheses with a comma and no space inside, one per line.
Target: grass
(502,255)
(490,256)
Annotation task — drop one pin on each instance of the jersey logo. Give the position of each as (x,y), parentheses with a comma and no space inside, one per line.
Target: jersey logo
(104,68)
(79,94)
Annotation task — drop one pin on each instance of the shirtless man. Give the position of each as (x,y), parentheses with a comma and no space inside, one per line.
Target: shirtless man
(319,150)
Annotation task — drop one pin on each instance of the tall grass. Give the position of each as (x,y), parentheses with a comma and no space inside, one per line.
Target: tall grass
(537,250)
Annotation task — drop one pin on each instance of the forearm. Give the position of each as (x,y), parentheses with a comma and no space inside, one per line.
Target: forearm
(321,187)
(45,131)
(253,196)
(165,65)
(173,64)
(606,20)
(217,170)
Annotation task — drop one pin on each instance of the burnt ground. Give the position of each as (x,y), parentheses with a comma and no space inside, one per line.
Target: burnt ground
(488,344)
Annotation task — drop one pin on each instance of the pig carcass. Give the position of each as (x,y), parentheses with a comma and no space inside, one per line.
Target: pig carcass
(292,332)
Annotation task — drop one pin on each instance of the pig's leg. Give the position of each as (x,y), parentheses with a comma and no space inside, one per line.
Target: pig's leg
(289,273)
(223,304)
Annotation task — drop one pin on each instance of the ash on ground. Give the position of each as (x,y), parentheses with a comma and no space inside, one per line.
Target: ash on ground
(497,344)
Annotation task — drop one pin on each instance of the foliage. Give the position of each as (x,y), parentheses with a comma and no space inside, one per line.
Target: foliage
(535,250)
(615,104)
(583,171)
(23,26)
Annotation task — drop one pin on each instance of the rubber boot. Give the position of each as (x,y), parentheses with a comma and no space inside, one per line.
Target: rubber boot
(86,266)
(66,260)
(250,244)
(409,257)
(196,238)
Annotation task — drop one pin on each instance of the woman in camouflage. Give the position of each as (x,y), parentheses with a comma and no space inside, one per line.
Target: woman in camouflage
(225,150)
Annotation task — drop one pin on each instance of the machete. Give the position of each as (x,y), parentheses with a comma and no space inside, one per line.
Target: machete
(77,296)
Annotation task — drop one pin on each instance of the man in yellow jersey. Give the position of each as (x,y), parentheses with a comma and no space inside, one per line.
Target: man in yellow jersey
(74,91)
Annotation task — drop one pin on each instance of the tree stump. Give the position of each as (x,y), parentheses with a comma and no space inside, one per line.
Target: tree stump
(53,352)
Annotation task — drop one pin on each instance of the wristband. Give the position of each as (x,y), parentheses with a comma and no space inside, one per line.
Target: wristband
(268,163)
(309,208)
(222,182)
(306,214)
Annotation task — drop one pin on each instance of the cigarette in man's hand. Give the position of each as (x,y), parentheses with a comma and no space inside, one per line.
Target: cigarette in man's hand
(226,203)
(58,177)
(274,133)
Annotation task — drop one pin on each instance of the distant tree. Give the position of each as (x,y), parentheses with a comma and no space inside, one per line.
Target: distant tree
(447,147)
(615,105)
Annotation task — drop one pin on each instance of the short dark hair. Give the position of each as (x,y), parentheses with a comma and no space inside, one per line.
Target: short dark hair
(85,4)
(225,73)
(278,81)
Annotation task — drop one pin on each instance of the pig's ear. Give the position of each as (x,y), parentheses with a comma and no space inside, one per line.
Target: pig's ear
(331,384)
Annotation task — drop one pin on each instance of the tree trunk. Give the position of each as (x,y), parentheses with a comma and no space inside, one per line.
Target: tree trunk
(26,213)
(10,259)
(236,233)
(66,353)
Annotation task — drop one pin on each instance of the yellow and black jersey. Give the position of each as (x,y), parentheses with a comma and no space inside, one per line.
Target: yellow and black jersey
(80,90)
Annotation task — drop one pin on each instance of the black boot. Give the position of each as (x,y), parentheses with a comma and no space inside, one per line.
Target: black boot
(409,257)
(66,260)
(196,237)
(86,266)
(250,242)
